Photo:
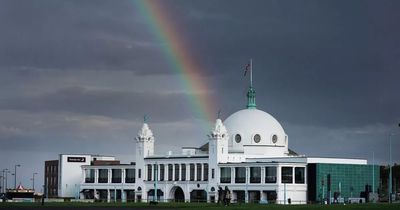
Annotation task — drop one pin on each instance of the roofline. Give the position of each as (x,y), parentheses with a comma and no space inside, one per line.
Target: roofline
(174,157)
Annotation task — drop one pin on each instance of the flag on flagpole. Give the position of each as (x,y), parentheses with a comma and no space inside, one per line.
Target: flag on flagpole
(247,68)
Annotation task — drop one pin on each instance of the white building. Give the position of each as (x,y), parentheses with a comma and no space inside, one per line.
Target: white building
(248,153)
(64,175)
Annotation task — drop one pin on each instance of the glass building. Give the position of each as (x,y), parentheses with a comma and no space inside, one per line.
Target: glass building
(349,180)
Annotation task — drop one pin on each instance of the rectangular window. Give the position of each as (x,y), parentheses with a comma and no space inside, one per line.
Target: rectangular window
(162,172)
(103,176)
(255,174)
(205,174)
(212,173)
(270,174)
(176,172)
(183,172)
(191,172)
(198,165)
(170,172)
(225,175)
(299,176)
(156,169)
(140,173)
(240,175)
(116,175)
(149,172)
(130,175)
(89,175)
(287,174)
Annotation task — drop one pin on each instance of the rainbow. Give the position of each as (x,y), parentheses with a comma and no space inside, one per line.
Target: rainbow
(178,56)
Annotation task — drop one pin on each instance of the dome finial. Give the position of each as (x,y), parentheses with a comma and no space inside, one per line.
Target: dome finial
(251,98)
(251,93)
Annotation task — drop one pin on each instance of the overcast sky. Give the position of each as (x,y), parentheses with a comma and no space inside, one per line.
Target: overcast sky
(77,76)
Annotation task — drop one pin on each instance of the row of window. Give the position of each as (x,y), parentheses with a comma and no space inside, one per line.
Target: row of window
(270,175)
(177,172)
(116,175)
(256,138)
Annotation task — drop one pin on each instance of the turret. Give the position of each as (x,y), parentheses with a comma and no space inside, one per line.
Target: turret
(145,142)
(144,148)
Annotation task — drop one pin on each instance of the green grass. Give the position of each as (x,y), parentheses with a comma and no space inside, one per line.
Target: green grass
(203,206)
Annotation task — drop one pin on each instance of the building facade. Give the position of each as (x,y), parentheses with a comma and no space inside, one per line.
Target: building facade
(247,154)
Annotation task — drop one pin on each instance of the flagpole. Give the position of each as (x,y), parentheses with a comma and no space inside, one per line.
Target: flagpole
(251,72)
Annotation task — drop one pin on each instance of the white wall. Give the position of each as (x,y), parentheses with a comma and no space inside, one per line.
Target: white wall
(70,174)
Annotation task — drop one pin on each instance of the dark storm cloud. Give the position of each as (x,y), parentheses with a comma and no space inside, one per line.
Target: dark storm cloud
(117,104)
(75,35)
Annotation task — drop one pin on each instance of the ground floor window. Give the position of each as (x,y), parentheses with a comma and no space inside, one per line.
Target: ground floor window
(116,175)
(191,172)
(103,176)
(299,175)
(198,165)
(255,174)
(205,174)
(287,175)
(149,174)
(270,174)
(170,172)
(183,172)
(225,175)
(240,175)
(129,175)
(162,171)
(89,175)
(176,172)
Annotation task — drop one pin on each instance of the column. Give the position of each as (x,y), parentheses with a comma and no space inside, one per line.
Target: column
(233,175)
(108,196)
(173,172)
(109,175)
(84,176)
(123,175)
(187,172)
(180,172)
(96,175)
(202,172)
(262,174)
(195,172)
(246,192)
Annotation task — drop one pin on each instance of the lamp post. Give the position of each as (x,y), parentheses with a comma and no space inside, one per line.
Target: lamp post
(15,175)
(6,185)
(390,165)
(33,181)
(4,180)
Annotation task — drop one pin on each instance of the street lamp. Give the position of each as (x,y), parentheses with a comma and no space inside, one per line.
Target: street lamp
(4,180)
(6,186)
(390,165)
(15,175)
(33,181)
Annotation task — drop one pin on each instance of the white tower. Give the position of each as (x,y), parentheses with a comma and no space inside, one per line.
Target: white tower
(144,148)
(218,152)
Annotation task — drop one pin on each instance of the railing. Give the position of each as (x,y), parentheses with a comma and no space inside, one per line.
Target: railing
(225,180)
(129,180)
(116,180)
(270,179)
(89,180)
(102,180)
(255,179)
(240,180)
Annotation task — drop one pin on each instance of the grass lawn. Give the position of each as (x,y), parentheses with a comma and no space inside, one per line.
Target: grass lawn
(193,206)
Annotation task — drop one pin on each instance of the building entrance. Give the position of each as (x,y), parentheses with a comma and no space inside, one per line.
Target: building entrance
(178,195)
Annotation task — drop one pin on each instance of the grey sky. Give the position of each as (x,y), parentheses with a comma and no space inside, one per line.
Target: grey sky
(77,76)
